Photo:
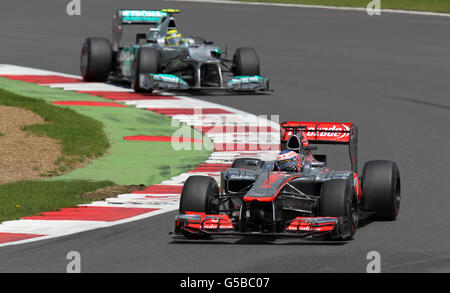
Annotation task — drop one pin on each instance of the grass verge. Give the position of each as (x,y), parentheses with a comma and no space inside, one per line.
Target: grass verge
(124,162)
(81,137)
(417,5)
(27,198)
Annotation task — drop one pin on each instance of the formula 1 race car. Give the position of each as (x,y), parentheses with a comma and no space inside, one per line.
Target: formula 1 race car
(162,59)
(256,198)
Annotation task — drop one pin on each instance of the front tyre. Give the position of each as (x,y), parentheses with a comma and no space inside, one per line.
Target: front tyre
(381,189)
(198,194)
(96,59)
(246,62)
(146,61)
(338,199)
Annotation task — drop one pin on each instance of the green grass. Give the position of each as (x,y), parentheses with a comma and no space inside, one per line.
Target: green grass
(418,5)
(124,163)
(80,136)
(26,198)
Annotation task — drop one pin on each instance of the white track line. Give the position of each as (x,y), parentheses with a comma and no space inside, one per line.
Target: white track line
(92,86)
(7,69)
(55,225)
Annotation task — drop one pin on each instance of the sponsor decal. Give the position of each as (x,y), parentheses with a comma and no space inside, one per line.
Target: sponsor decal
(245,79)
(357,186)
(306,224)
(334,131)
(147,16)
(143,13)
(167,78)
(216,226)
(217,223)
(318,131)
(271,180)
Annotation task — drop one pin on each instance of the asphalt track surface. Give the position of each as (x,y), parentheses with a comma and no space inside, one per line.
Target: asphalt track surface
(387,73)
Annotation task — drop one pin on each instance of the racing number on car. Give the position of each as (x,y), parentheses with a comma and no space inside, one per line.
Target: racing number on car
(270,180)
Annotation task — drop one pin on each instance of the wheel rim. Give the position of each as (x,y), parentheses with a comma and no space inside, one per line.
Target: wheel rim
(211,205)
(354,210)
(397,197)
(135,76)
(84,60)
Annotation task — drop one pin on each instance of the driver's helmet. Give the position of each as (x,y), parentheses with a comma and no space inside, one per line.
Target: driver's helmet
(289,161)
(173,38)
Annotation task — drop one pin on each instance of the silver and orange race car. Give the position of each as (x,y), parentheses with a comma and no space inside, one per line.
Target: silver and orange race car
(257,198)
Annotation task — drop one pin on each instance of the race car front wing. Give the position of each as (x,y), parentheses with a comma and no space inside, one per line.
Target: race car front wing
(172,82)
(192,223)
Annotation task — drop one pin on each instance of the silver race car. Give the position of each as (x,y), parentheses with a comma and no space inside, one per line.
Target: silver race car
(163,59)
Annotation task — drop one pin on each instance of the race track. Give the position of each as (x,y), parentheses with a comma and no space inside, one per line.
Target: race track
(389,74)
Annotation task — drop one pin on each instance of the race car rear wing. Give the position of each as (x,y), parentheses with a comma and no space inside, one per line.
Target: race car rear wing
(136,17)
(324,133)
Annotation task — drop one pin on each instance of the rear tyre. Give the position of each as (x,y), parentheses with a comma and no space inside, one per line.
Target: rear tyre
(381,189)
(244,163)
(246,62)
(96,59)
(146,61)
(338,199)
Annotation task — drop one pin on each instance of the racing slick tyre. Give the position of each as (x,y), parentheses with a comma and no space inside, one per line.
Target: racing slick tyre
(381,189)
(96,59)
(338,199)
(146,61)
(198,194)
(246,62)
(244,163)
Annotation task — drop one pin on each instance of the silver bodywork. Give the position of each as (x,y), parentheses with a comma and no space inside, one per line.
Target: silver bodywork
(194,64)
(315,173)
